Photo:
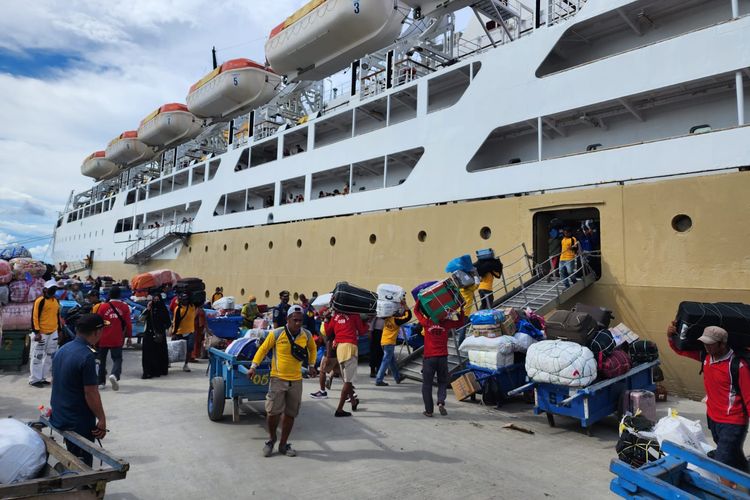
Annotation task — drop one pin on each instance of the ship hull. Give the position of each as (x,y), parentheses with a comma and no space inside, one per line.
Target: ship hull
(648,267)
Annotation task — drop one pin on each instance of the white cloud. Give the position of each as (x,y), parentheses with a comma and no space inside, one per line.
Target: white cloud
(130,57)
(40,252)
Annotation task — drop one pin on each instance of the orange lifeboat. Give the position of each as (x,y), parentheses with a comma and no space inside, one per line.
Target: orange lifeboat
(325,36)
(169,124)
(127,150)
(97,165)
(237,86)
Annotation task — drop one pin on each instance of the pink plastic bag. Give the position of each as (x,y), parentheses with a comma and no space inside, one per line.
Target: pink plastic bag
(35,289)
(6,273)
(19,291)
(17,316)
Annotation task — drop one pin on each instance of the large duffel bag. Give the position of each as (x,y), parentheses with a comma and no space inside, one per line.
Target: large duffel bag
(440,300)
(601,315)
(190,285)
(643,351)
(694,317)
(573,326)
(352,299)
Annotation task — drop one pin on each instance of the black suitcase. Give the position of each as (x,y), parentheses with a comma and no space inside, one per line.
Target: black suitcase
(351,299)
(572,326)
(601,315)
(694,317)
(189,285)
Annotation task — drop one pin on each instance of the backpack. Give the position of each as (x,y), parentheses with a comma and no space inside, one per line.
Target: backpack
(734,373)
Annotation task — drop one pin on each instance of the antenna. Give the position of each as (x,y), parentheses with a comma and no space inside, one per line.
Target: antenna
(213,56)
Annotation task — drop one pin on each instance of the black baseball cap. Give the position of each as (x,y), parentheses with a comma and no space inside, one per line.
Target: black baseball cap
(88,323)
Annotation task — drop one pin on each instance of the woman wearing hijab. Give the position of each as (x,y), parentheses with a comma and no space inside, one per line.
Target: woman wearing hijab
(155,359)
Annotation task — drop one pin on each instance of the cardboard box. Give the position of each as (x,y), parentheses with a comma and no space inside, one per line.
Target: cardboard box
(465,385)
(509,326)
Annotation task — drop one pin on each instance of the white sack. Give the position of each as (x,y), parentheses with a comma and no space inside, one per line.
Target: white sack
(503,345)
(224,303)
(177,350)
(22,452)
(561,363)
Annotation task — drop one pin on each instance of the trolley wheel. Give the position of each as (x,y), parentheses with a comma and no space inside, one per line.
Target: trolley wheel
(550,419)
(236,409)
(216,401)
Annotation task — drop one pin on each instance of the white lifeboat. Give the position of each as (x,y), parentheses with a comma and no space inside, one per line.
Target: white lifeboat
(97,165)
(325,36)
(127,150)
(169,124)
(235,87)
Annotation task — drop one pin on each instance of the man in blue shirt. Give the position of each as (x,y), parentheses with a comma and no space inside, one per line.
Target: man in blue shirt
(75,401)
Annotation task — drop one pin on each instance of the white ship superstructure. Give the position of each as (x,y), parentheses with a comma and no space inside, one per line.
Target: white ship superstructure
(594,92)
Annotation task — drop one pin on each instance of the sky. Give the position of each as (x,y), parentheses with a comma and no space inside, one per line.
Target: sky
(74,74)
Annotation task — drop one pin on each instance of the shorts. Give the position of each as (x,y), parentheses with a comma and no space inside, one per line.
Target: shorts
(349,370)
(330,365)
(189,339)
(283,397)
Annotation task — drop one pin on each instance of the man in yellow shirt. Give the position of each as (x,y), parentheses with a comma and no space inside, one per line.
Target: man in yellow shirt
(46,324)
(184,325)
(285,387)
(568,257)
(391,327)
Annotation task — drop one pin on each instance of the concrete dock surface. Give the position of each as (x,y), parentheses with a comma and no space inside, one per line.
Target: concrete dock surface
(388,448)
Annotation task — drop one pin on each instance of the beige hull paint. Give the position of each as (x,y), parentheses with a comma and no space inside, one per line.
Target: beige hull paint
(648,267)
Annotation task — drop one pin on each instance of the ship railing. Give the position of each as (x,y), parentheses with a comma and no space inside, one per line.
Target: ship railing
(560,10)
(184,227)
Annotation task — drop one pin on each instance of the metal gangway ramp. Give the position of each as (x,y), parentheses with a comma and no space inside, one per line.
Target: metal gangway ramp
(523,284)
(157,241)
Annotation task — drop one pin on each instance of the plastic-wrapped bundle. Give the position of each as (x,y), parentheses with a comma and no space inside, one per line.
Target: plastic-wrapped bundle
(6,273)
(561,363)
(504,345)
(36,289)
(23,266)
(19,291)
(490,359)
(22,452)
(13,252)
(17,316)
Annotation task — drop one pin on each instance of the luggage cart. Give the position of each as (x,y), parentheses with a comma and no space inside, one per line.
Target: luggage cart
(507,378)
(669,477)
(227,379)
(589,404)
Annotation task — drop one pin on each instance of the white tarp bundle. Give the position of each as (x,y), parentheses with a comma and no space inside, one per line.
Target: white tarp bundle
(223,303)
(22,452)
(503,345)
(177,350)
(561,363)
(490,359)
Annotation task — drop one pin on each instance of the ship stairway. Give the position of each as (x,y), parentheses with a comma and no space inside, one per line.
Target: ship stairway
(528,285)
(156,242)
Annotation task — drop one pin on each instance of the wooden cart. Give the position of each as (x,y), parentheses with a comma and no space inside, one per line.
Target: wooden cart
(66,476)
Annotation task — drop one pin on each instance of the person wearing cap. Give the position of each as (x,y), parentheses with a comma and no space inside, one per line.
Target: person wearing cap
(120,326)
(249,312)
(727,400)
(345,329)
(46,323)
(75,400)
(281,311)
(285,386)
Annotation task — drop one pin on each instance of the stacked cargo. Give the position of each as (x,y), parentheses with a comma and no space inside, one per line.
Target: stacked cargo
(21,282)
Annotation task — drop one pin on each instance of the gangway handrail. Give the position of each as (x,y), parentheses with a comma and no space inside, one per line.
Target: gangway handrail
(142,243)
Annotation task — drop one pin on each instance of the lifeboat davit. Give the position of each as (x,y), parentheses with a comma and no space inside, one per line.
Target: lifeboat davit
(235,87)
(169,124)
(97,165)
(127,150)
(325,36)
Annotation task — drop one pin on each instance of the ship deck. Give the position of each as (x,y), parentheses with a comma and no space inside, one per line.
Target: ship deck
(161,428)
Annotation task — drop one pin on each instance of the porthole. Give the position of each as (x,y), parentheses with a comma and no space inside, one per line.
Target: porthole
(190,249)
(242,292)
(485,233)
(682,223)
(296,296)
(225,248)
(270,245)
(247,246)
(373,239)
(315,294)
(422,236)
(206,249)
(299,245)
(332,241)
(268,293)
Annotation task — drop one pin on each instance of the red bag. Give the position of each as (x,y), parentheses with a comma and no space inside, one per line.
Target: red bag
(616,364)
(6,273)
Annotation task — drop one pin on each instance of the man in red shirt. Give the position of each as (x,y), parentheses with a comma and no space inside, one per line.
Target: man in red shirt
(117,313)
(435,358)
(345,330)
(726,408)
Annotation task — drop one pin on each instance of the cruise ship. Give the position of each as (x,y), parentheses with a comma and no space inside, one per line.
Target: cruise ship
(379,140)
